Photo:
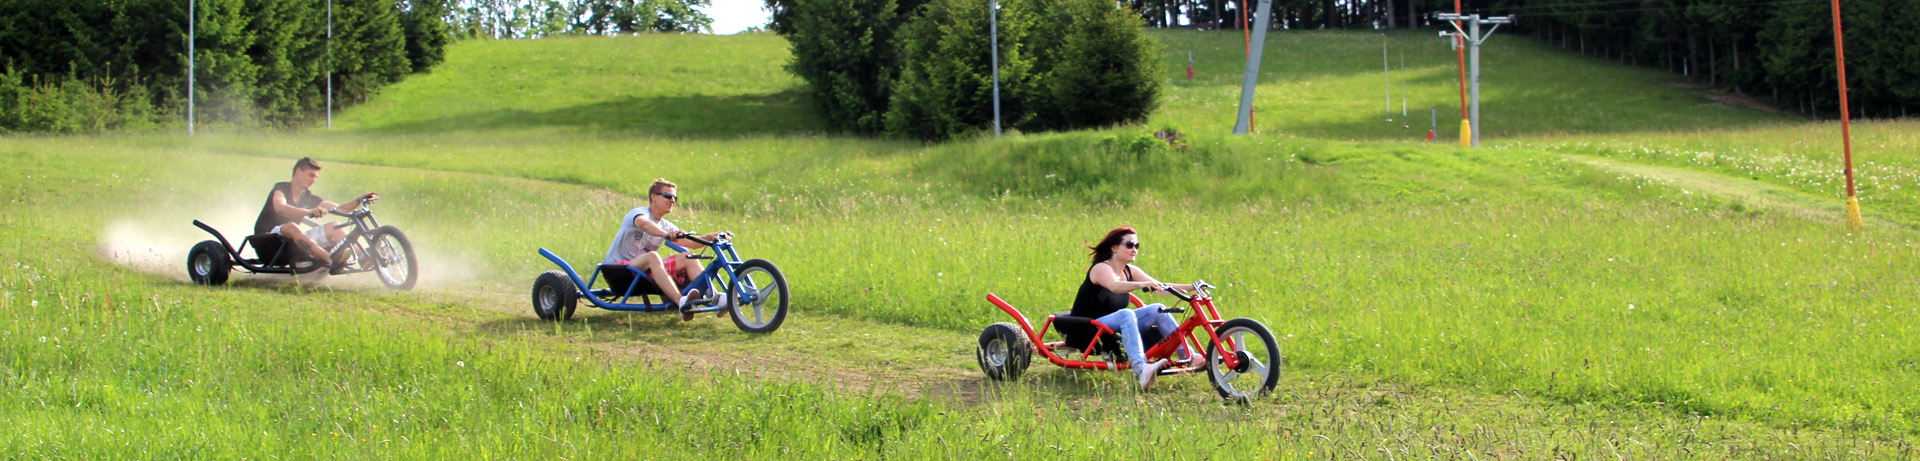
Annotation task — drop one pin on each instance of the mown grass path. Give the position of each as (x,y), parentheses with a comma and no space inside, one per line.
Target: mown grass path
(1749,192)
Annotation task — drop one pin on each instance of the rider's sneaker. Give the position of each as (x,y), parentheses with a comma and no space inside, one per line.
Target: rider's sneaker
(1148,372)
(686,305)
(343,261)
(339,265)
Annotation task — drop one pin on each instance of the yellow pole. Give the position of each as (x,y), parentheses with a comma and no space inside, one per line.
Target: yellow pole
(1853,214)
(1466,133)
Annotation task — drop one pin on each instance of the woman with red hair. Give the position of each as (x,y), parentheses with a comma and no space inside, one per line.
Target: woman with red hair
(1103,297)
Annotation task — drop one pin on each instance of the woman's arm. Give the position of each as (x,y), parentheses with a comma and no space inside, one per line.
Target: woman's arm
(1104,276)
(1154,284)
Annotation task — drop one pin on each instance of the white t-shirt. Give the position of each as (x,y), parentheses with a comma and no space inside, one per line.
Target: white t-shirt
(630,242)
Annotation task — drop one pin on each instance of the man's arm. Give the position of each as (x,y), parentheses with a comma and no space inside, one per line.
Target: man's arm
(355,203)
(644,225)
(287,210)
(653,229)
(691,245)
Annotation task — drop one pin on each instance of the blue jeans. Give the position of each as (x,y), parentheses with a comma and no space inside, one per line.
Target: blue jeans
(1128,322)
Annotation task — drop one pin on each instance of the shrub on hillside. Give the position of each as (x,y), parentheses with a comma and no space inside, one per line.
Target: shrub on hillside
(945,86)
(72,105)
(844,50)
(1064,65)
(424,24)
(1097,69)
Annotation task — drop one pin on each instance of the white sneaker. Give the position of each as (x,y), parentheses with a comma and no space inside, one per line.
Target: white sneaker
(1148,372)
(686,314)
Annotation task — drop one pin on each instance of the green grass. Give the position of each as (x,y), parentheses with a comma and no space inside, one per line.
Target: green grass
(1433,301)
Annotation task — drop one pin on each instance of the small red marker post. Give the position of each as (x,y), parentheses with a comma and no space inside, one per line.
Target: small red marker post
(1189,65)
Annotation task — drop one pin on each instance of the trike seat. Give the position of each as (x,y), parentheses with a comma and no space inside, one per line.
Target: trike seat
(620,277)
(1078,333)
(267,250)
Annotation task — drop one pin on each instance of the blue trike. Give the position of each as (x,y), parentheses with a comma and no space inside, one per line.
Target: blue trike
(753,291)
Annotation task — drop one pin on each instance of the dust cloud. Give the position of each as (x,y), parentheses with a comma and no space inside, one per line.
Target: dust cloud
(158,242)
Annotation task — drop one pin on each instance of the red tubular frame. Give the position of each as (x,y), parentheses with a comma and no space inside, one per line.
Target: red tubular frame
(1205,317)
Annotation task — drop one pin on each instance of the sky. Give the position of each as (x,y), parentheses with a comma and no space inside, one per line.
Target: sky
(733,16)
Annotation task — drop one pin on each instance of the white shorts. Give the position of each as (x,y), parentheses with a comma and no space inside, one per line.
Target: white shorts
(317,234)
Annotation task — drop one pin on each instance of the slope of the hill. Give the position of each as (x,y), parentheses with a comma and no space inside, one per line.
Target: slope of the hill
(1431,300)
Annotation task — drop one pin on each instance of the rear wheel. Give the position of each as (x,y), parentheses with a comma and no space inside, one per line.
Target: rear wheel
(1258,370)
(393,258)
(758,297)
(554,296)
(1004,352)
(208,263)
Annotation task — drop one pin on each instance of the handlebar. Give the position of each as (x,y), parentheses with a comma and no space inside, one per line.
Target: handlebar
(368,200)
(1201,289)
(1175,292)
(724,236)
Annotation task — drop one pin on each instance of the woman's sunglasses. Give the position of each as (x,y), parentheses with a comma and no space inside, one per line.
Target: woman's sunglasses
(670,197)
(1131,245)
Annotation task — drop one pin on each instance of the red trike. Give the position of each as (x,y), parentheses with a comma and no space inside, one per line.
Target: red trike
(1242,359)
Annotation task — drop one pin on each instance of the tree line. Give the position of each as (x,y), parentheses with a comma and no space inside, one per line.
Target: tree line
(542,18)
(92,65)
(70,66)
(1781,51)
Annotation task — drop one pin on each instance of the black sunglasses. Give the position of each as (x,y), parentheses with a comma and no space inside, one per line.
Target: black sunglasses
(1131,245)
(670,197)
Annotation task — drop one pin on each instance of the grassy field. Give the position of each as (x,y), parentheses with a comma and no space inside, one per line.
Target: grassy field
(1434,301)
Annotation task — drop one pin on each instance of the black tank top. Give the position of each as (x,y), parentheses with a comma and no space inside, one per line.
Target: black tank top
(1095,301)
(269,220)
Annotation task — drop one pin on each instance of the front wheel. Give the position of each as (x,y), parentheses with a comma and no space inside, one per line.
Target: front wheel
(758,297)
(208,264)
(393,258)
(554,296)
(1003,352)
(1258,370)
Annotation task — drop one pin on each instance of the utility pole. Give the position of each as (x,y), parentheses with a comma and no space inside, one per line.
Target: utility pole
(1474,38)
(190,20)
(1403,76)
(993,25)
(1256,46)
(1386,73)
(329,64)
(1460,53)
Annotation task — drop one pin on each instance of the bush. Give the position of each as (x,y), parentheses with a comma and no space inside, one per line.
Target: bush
(945,87)
(844,50)
(72,105)
(1099,71)
(13,94)
(1093,66)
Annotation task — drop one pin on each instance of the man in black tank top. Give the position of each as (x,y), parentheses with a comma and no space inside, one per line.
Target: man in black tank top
(293,203)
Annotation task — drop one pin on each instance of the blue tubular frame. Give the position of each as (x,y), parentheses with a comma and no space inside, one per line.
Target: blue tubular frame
(728,262)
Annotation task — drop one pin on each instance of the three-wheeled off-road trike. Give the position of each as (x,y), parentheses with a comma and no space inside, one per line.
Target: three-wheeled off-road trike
(1242,358)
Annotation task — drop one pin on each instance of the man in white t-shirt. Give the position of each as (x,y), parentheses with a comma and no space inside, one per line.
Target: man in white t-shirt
(644,230)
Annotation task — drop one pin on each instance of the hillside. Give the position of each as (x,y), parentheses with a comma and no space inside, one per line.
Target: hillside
(1599,280)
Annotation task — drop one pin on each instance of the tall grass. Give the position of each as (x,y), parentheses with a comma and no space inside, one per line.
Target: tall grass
(1429,298)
